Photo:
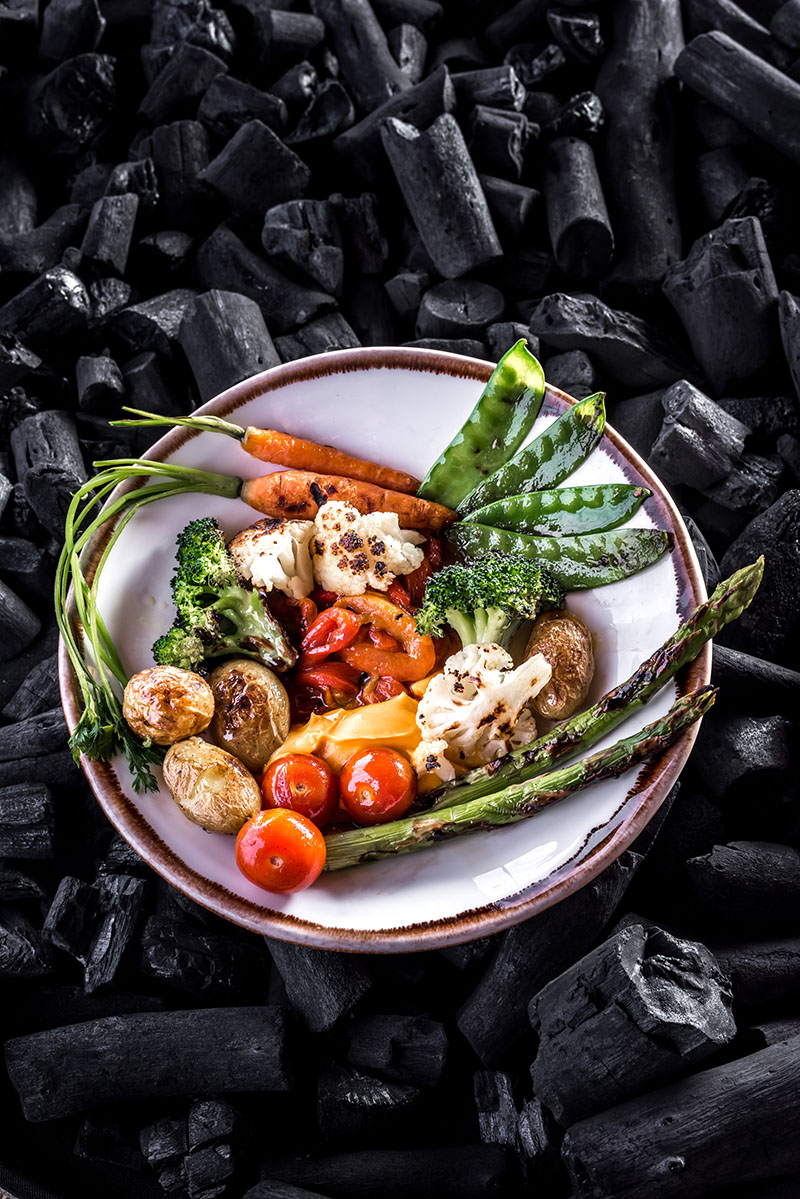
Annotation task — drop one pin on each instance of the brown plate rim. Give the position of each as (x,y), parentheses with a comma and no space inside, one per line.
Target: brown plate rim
(477,922)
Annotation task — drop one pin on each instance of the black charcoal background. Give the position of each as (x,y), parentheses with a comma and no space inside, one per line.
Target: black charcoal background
(194,190)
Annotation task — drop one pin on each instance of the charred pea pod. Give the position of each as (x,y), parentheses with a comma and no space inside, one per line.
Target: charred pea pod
(549,458)
(577,563)
(494,430)
(563,511)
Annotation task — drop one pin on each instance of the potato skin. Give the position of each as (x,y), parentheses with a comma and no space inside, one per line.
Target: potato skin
(167,704)
(564,641)
(251,711)
(211,787)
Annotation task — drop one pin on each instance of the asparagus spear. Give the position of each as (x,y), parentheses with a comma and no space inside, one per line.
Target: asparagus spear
(517,802)
(726,603)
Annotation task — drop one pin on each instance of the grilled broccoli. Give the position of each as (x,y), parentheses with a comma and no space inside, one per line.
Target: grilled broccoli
(486,600)
(215,613)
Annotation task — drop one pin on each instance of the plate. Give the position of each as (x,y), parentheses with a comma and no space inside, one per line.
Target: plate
(399,407)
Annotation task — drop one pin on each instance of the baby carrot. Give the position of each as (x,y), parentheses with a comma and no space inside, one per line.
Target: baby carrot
(300,494)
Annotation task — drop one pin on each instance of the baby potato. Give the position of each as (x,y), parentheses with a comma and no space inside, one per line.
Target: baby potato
(211,787)
(251,711)
(167,704)
(564,641)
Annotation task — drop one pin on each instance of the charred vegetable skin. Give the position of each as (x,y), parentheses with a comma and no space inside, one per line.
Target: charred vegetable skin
(563,511)
(548,459)
(517,802)
(215,614)
(494,430)
(577,563)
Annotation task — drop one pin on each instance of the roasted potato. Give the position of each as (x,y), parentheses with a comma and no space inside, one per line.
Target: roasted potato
(211,787)
(251,711)
(564,641)
(167,704)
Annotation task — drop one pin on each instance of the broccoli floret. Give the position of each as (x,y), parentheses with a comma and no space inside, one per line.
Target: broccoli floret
(215,614)
(486,600)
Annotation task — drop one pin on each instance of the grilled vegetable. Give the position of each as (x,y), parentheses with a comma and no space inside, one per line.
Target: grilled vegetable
(563,511)
(565,643)
(167,704)
(211,787)
(251,711)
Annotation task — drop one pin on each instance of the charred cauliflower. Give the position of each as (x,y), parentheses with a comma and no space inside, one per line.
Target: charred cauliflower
(274,554)
(353,553)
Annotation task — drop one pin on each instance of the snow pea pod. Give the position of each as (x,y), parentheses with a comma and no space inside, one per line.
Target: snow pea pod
(563,511)
(494,430)
(549,458)
(577,563)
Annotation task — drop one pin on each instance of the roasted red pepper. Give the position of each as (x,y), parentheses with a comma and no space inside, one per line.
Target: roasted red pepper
(332,630)
(418,655)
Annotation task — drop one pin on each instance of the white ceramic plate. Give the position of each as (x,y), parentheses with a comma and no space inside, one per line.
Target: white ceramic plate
(399,407)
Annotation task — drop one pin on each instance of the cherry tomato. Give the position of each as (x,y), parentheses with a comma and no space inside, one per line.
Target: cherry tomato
(305,784)
(377,785)
(280,850)
(332,630)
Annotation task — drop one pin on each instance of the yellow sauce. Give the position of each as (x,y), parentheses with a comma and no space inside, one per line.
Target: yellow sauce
(336,735)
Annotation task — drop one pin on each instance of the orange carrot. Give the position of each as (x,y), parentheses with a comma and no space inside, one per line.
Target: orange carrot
(299,494)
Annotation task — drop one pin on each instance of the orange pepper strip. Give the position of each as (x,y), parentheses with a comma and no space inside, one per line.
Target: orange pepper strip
(418,655)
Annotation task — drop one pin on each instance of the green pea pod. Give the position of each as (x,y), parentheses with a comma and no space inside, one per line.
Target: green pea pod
(549,458)
(494,430)
(563,511)
(577,563)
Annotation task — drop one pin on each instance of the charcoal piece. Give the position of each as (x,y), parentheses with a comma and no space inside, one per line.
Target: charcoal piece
(16,361)
(164,1145)
(154,324)
(294,36)
(72,106)
(405,291)
(709,567)
(420,105)
(517,23)
(154,59)
(122,858)
(510,204)
(789,323)
(193,21)
(71,1005)
(41,248)
(107,297)
(51,308)
(104,1139)
(494,87)
(23,952)
(148,387)
(573,372)
(229,103)
(542,108)
(538,1146)
(501,337)
(70,27)
(409,49)
(773,1032)
(363,52)
(14,673)
(577,33)
(789,449)
(769,627)
(128,1057)
(785,25)
(725,294)
(751,754)
(321,986)
(410,1049)
(577,217)
(425,14)
(745,29)
(497,1112)
(202,963)
(637,1011)
(329,111)
(763,686)
(716,129)
(460,54)
(18,203)
(49,465)
(443,194)
(17,887)
(468,954)
(469,346)
(295,88)
(364,245)
(108,235)
(180,154)
(582,116)
(369,313)
(639,96)
(271,1188)
(761,972)
(26,821)
(6,492)
(304,234)
(464,1172)
(101,387)
(255,170)
(224,262)
(750,886)
(752,485)
(531,954)
(163,253)
(772,206)
(459,308)
(120,900)
(699,442)
(708,1128)
(721,175)
(178,88)
(764,100)
(354,1108)
(498,139)
(45,731)
(630,349)
(71,920)
(138,178)
(225,340)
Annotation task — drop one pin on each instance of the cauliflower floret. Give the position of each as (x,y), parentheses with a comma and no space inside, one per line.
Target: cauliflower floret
(275,553)
(478,705)
(431,765)
(353,553)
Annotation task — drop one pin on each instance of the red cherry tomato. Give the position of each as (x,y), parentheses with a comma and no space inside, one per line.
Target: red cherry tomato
(303,783)
(332,630)
(280,851)
(377,785)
